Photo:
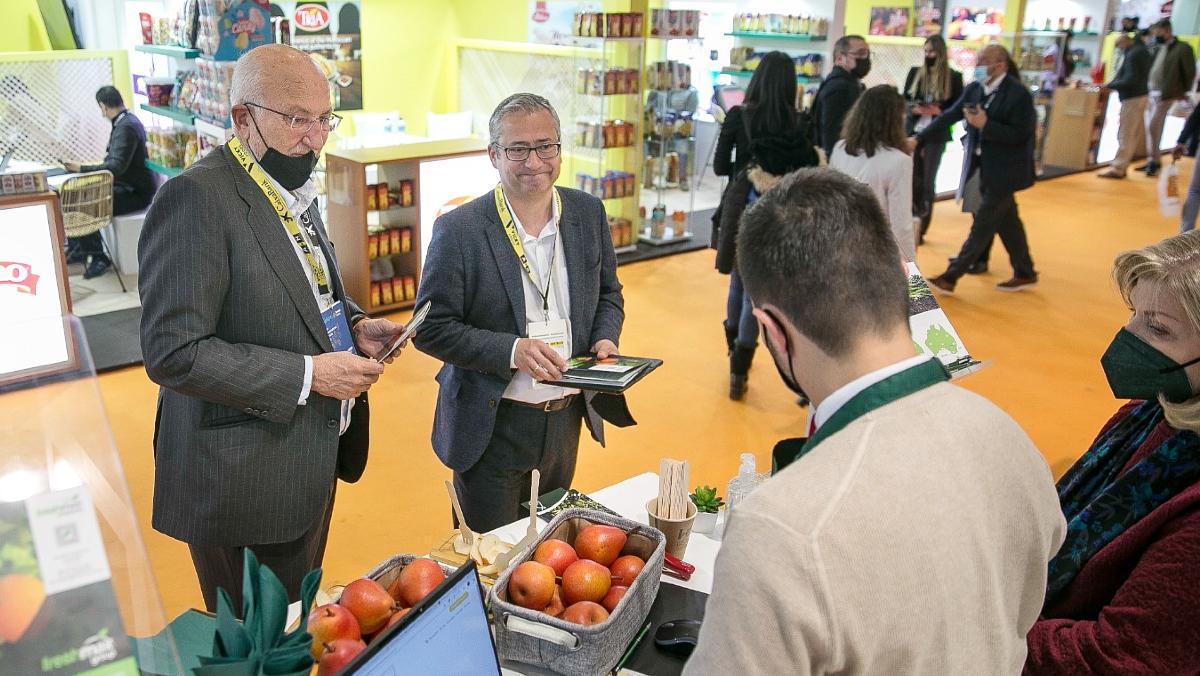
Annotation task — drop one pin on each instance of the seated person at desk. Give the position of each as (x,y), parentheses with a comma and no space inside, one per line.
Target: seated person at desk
(911,533)
(133,186)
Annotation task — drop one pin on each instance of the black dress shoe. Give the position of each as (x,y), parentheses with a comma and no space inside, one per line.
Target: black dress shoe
(1152,172)
(97,267)
(978,268)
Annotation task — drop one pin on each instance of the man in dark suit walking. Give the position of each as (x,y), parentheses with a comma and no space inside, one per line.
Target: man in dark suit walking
(248,329)
(839,91)
(519,279)
(999,162)
(1131,86)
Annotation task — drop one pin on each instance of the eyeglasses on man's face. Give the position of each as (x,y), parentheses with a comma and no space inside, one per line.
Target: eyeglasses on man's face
(304,124)
(545,151)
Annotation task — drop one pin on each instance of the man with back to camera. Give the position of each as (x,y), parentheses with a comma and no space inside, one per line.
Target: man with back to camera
(519,279)
(133,186)
(246,327)
(1131,85)
(839,91)
(1172,76)
(911,533)
(998,162)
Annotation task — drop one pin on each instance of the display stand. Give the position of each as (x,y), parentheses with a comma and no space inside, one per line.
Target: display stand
(381,235)
(77,582)
(171,128)
(602,131)
(669,147)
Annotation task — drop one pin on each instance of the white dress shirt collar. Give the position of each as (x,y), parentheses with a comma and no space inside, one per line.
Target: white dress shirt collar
(994,83)
(834,402)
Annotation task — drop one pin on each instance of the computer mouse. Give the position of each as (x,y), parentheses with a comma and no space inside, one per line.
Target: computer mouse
(678,636)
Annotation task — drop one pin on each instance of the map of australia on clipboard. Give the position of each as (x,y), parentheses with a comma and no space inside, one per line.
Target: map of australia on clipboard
(932,332)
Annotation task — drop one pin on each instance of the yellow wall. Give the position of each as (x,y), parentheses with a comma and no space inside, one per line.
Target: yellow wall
(22,29)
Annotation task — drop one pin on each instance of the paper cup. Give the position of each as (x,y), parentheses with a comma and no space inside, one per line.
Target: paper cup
(678,531)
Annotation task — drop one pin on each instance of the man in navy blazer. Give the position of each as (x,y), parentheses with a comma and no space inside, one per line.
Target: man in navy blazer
(1001,125)
(518,280)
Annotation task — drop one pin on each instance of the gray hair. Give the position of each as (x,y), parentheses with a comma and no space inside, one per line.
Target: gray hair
(258,68)
(523,102)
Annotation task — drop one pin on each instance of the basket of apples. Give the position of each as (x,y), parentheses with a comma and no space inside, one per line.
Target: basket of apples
(365,608)
(574,600)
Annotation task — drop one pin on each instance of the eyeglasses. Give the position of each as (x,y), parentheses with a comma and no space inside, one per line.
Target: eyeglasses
(546,151)
(299,122)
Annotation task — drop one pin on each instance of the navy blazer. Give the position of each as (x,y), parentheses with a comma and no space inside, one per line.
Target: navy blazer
(473,281)
(1006,163)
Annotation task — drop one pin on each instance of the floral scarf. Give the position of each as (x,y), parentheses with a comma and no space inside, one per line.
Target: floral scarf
(1100,503)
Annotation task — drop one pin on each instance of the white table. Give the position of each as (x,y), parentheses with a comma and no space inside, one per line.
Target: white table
(628,498)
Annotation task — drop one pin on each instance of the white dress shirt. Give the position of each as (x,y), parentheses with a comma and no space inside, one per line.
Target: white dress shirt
(298,202)
(834,402)
(542,252)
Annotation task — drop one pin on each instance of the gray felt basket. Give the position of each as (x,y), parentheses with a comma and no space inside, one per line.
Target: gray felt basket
(386,572)
(532,637)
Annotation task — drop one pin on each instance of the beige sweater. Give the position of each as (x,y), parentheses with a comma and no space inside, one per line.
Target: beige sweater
(914,541)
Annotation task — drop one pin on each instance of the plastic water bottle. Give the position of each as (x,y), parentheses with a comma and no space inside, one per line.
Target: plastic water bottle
(745,481)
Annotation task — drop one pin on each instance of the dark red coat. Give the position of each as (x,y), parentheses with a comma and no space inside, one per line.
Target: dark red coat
(1134,608)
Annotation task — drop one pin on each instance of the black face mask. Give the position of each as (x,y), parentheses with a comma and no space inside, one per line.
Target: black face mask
(1137,370)
(862,66)
(788,377)
(930,61)
(291,172)
(1158,39)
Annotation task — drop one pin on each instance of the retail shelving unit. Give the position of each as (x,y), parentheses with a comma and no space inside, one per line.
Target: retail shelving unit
(669,146)
(602,133)
(349,175)
(178,58)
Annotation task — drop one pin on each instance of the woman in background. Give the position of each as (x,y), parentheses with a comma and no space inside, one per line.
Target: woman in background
(929,88)
(874,150)
(1122,595)
(760,140)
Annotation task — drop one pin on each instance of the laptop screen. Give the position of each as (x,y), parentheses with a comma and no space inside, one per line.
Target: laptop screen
(447,633)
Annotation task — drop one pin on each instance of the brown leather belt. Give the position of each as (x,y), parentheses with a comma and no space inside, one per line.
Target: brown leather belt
(552,406)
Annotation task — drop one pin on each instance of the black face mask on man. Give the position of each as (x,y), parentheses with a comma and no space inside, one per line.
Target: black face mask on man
(862,66)
(788,377)
(291,172)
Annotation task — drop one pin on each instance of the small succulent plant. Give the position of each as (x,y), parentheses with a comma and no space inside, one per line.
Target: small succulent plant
(706,499)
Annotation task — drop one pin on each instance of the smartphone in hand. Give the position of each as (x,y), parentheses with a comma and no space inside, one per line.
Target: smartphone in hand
(409,329)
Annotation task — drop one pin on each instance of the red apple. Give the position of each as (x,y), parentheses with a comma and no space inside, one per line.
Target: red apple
(613,597)
(416,581)
(328,623)
(556,603)
(369,602)
(599,543)
(395,618)
(531,585)
(556,554)
(585,613)
(627,568)
(585,580)
(337,654)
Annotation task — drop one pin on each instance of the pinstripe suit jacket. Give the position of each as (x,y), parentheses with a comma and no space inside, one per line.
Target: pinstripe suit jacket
(227,315)
(474,281)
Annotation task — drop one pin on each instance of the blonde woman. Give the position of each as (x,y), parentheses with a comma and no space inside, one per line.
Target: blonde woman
(1123,595)
(874,150)
(929,89)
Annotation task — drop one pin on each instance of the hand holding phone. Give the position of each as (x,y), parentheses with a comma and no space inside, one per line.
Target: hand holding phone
(409,329)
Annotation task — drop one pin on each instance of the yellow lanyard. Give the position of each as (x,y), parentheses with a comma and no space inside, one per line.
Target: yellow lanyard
(514,239)
(246,160)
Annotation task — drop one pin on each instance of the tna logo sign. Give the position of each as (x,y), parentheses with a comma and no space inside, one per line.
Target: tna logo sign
(19,275)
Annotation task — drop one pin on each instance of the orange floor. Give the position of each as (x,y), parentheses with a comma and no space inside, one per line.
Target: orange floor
(1043,348)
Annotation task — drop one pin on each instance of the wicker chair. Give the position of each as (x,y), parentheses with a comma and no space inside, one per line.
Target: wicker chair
(87,205)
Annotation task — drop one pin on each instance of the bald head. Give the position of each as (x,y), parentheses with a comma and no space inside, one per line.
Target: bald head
(278,96)
(994,58)
(274,72)
(995,52)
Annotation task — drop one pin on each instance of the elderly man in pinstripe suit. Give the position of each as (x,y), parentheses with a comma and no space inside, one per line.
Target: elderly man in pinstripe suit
(261,407)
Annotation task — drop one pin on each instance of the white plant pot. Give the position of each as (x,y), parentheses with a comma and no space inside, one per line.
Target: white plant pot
(705,522)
